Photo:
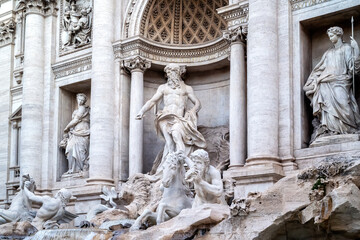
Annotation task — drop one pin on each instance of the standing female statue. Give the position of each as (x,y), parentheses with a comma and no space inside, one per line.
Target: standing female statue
(329,88)
(76,143)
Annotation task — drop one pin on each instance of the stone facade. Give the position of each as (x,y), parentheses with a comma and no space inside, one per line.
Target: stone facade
(247,62)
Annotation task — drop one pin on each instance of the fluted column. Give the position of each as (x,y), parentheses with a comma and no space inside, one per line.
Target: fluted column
(102,94)
(237,123)
(137,66)
(262,91)
(33,95)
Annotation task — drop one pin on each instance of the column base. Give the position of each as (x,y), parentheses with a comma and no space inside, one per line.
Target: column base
(254,178)
(100,181)
(289,165)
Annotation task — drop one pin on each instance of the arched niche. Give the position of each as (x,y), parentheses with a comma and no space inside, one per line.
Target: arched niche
(205,54)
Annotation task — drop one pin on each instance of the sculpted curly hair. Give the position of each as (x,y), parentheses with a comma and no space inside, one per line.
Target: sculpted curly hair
(336,30)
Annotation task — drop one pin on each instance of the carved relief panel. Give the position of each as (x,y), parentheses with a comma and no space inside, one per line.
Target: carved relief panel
(75,25)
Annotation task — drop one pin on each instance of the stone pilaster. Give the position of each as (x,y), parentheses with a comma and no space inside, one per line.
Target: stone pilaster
(14,144)
(102,95)
(237,123)
(125,87)
(137,66)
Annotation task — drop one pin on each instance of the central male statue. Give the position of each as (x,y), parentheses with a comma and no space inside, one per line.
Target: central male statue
(176,124)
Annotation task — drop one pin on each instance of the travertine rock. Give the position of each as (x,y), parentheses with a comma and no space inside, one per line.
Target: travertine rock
(184,225)
(17,229)
(286,210)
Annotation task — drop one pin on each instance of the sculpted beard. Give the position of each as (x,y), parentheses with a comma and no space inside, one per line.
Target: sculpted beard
(173,80)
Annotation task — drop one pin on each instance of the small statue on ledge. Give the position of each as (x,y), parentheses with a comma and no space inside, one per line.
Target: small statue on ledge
(329,88)
(77,137)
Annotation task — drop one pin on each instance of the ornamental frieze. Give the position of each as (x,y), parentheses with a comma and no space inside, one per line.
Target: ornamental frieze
(163,54)
(72,67)
(300,4)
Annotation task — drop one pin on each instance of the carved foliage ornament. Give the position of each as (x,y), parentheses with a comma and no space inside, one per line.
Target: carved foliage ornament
(137,63)
(236,34)
(37,6)
(7,31)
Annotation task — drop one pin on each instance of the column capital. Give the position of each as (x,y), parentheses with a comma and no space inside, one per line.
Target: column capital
(7,31)
(38,6)
(236,34)
(137,64)
(123,68)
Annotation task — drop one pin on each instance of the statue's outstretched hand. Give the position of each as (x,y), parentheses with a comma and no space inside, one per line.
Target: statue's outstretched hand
(139,116)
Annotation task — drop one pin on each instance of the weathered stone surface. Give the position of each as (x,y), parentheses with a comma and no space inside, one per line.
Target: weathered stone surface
(185,224)
(109,215)
(287,208)
(17,229)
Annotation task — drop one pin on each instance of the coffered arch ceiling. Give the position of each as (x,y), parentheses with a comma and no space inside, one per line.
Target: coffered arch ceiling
(182,22)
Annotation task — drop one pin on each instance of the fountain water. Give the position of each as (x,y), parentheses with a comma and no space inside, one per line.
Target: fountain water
(71,234)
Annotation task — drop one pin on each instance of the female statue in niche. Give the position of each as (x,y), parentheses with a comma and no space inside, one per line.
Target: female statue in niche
(77,137)
(329,88)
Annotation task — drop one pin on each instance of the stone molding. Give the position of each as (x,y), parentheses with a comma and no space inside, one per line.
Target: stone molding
(7,32)
(235,14)
(300,4)
(129,12)
(72,67)
(236,34)
(137,64)
(163,54)
(42,7)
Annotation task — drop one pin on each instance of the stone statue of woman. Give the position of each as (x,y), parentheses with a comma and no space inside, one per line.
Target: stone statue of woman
(329,88)
(76,143)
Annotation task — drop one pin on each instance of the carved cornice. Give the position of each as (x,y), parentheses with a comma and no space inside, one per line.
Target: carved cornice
(300,4)
(163,54)
(235,14)
(72,67)
(7,32)
(236,34)
(137,64)
(43,7)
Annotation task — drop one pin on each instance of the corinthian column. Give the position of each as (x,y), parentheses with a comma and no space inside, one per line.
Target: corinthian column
(102,94)
(237,123)
(33,85)
(263,94)
(137,67)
